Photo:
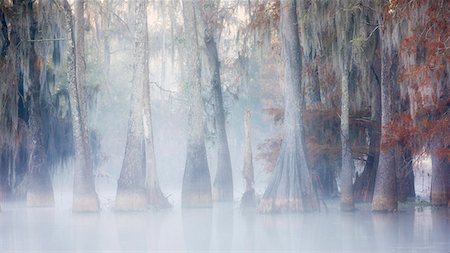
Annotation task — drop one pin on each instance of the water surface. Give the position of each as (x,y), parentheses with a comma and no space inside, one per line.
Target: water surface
(224,228)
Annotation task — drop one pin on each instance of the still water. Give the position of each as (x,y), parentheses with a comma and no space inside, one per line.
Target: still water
(224,228)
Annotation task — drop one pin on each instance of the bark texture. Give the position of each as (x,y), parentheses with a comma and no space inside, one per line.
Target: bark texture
(85,197)
(291,188)
(345,23)
(223,181)
(385,193)
(196,189)
(131,190)
(40,189)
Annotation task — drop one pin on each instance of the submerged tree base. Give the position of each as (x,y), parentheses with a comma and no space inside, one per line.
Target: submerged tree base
(222,195)
(197,200)
(128,200)
(279,205)
(439,199)
(40,199)
(383,204)
(347,204)
(85,203)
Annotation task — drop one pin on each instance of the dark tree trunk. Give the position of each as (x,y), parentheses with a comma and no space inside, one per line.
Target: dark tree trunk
(248,199)
(440,175)
(405,175)
(196,189)
(290,188)
(385,192)
(85,197)
(131,193)
(40,189)
(223,181)
(365,183)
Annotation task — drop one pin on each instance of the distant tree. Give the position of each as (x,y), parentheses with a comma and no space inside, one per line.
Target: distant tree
(249,198)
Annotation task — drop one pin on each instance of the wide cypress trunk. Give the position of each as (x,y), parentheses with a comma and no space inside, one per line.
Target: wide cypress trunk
(131,192)
(248,199)
(85,198)
(40,189)
(291,188)
(223,181)
(385,193)
(196,189)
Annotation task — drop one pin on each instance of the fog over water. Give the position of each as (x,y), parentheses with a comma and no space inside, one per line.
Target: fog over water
(303,112)
(224,228)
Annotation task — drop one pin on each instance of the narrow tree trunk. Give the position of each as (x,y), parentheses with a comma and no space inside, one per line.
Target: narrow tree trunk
(106,18)
(291,188)
(196,189)
(385,193)
(131,193)
(163,41)
(248,199)
(345,34)
(348,167)
(172,32)
(40,189)
(85,198)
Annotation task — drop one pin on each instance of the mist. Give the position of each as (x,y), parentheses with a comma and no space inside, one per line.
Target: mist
(224,126)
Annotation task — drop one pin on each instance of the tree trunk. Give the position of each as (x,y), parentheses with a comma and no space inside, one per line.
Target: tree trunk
(223,181)
(405,176)
(40,189)
(440,175)
(85,198)
(348,167)
(106,26)
(345,33)
(385,193)
(196,189)
(290,188)
(248,199)
(131,193)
